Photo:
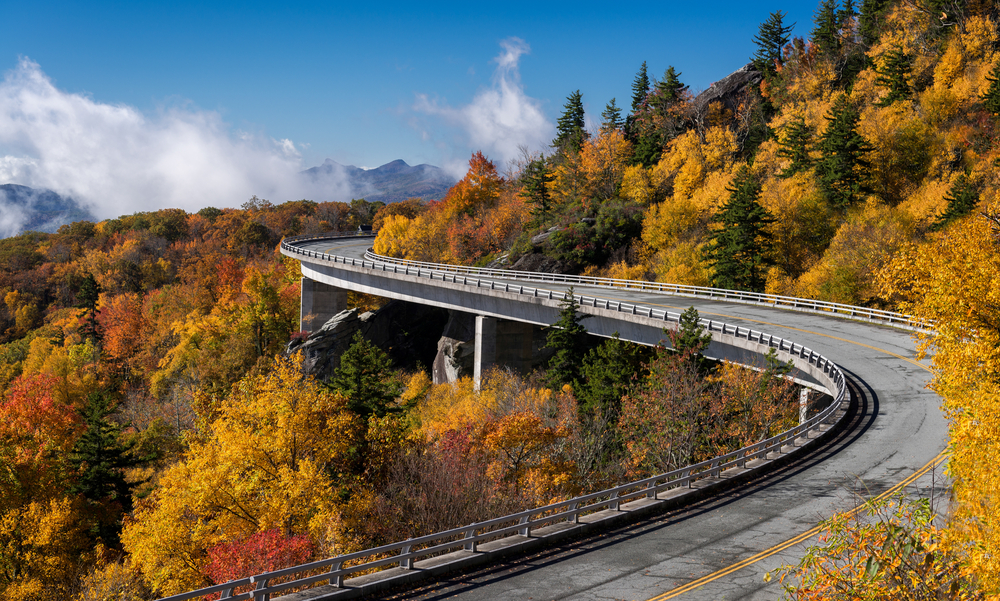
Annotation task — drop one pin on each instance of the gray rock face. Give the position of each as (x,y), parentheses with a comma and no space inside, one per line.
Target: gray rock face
(408,332)
(728,89)
(456,348)
(543,264)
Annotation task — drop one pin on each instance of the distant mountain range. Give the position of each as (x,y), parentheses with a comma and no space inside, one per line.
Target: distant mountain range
(25,209)
(391,182)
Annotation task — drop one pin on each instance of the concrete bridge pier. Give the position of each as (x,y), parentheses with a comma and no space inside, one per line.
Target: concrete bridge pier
(501,342)
(319,303)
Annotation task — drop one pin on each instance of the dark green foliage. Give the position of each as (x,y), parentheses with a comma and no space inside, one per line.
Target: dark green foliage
(592,242)
(99,459)
(690,337)
(826,34)
(568,338)
(535,181)
(611,118)
(741,249)
(170,224)
(87,297)
(894,75)
(794,146)
(870,21)
(648,149)
(640,88)
(607,374)
(771,39)
(366,379)
(570,128)
(690,340)
(668,90)
(962,199)
(841,168)
(991,99)
(210,213)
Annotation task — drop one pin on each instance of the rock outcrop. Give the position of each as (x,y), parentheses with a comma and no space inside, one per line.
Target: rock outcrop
(456,349)
(728,90)
(408,332)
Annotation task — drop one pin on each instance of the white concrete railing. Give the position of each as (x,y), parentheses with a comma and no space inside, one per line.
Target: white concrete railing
(405,553)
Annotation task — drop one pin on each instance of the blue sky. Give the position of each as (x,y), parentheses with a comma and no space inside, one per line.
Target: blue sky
(125,105)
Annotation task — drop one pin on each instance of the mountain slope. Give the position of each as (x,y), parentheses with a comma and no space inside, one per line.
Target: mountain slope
(26,209)
(391,182)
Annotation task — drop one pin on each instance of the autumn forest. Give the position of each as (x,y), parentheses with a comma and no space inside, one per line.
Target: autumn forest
(157,437)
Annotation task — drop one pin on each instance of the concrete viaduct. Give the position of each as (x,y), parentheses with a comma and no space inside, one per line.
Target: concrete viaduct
(722,549)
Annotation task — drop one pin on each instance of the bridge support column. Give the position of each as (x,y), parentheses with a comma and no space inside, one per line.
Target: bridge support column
(319,303)
(486,347)
(514,345)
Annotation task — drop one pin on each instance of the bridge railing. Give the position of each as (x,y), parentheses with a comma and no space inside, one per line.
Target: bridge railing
(738,296)
(404,554)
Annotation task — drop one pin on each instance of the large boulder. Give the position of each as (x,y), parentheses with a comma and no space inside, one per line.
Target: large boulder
(456,349)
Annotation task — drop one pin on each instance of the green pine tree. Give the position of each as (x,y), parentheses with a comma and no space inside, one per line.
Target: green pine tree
(671,87)
(607,374)
(842,164)
(99,459)
(568,338)
(690,340)
(871,20)
(826,34)
(794,146)
(366,380)
(741,245)
(611,118)
(87,298)
(962,199)
(771,39)
(640,88)
(894,76)
(991,99)
(535,182)
(570,128)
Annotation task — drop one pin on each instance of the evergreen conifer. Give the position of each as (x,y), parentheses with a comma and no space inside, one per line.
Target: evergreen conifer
(893,75)
(670,88)
(826,34)
(741,245)
(794,145)
(570,128)
(568,338)
(611,118)
(640,88)
(100,459)
(841,167)
(870,21)
(87,298)
(535,182)
(962,199)
(607,374)
(991,98)
(365,379)
(771,39)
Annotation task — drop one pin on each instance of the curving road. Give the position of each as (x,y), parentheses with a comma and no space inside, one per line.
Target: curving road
(699,553)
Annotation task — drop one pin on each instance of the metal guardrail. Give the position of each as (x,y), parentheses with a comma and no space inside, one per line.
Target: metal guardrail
(738,296)
(404,553)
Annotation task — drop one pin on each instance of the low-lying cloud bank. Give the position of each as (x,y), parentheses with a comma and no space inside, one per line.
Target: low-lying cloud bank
(116,160)
(501,120)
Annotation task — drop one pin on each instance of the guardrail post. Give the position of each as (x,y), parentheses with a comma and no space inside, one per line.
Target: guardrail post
(262,584)
(471,545)
(614,504)
(406,560)
(526,531)
(338,580)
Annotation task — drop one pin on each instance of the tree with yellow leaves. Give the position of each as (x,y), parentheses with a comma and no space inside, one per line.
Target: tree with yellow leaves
(265,462)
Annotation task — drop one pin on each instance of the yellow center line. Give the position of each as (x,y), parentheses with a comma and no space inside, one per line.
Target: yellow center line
(933,463)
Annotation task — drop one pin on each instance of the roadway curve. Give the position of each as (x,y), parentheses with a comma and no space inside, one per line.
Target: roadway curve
(897,429)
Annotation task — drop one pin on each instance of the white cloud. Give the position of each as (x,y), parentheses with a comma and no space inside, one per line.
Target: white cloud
(501,119)
(117,160)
